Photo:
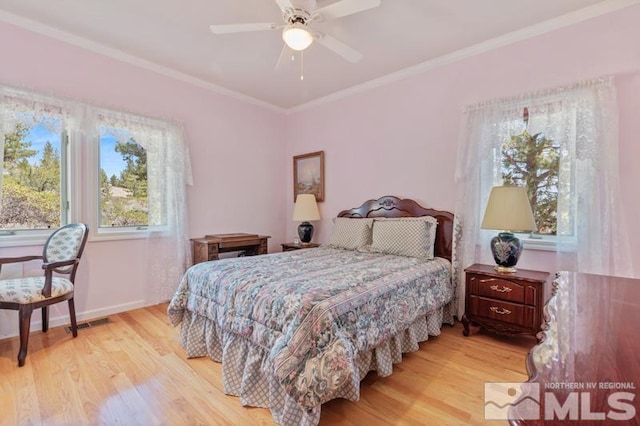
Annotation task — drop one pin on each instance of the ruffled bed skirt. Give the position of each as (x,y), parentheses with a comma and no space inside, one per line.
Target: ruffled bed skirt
(247,371)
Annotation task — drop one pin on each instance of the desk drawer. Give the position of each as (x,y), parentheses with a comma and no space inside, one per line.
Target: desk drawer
(512,313)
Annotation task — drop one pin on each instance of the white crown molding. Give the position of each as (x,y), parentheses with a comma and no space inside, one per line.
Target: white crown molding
(504,40)
(122,56)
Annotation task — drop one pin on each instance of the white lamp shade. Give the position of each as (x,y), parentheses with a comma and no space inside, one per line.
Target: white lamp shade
(509,209)
(297,36)
(306,208)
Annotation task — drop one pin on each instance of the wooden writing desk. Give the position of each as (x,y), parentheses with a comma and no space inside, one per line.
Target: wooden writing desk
(209,247)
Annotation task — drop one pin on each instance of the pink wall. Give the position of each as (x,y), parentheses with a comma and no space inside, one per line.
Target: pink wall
(401,139)
(238,169)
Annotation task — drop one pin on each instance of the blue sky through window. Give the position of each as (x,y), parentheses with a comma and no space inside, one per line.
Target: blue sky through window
(110,160)
(38,136)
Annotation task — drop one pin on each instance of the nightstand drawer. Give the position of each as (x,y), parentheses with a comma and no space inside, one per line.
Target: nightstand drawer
(497,288)
(512,313)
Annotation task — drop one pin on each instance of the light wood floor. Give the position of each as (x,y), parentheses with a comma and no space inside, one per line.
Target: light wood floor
(134,371)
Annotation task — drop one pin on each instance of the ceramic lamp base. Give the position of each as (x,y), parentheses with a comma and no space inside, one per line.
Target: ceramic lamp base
(305,232)
(506,249)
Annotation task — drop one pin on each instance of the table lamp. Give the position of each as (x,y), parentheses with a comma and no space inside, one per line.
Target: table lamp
(305,210)
(509,211)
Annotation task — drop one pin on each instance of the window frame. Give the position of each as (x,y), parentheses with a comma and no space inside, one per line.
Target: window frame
(541,242)
(118,229)
(92,200)
(31,237)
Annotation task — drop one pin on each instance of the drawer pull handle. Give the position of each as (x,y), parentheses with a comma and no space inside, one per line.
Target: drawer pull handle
(502,289)
(501,311)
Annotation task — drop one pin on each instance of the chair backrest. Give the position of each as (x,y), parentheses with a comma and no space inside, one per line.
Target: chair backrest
(66,243)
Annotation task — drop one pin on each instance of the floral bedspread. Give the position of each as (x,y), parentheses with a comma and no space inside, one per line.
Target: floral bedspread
(314,310)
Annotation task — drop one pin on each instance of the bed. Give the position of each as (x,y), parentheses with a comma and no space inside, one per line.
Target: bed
(296,329)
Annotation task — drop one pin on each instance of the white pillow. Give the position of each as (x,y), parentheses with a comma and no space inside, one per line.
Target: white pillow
(349,233)
(411,236)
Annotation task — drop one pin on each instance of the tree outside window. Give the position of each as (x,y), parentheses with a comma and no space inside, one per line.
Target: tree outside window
(31,178)
(533,161)
(123,182)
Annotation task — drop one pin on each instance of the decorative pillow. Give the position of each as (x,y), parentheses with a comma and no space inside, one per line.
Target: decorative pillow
(350,233)
(413,237)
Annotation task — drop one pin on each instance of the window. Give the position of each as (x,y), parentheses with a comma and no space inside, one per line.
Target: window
(64,161)
(532,160)
(123,199)
(133,174)
(533,149)
(33,183)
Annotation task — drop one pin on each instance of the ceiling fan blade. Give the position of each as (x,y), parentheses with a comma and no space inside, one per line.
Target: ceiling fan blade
(339,47)
(345,7)
(239,28)
(285,4)
(283,58)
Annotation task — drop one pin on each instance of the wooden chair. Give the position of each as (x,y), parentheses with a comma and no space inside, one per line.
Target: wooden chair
(61,254)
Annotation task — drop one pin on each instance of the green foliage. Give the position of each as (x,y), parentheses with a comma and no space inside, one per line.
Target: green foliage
(16,149)
(22,206)
(134,176)
(46,175)
(532,161)
(123,200)
(30,193)
(122,211)
(105,185)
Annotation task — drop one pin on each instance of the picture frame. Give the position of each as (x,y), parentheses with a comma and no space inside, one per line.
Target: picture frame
(308,175)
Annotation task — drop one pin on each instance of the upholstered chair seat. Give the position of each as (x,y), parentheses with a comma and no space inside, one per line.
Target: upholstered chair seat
(60,256)
(29,290)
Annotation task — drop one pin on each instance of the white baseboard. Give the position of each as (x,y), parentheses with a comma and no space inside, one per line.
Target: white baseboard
(63,320)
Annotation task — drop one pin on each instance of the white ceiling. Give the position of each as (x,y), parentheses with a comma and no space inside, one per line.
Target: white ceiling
(173,37)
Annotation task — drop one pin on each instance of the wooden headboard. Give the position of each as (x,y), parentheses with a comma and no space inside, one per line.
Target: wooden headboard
(390,206)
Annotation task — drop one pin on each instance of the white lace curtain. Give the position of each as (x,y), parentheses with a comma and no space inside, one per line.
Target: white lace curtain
(583,119)
(168,171)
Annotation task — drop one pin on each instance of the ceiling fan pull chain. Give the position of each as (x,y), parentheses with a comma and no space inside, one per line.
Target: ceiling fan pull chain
(302,65)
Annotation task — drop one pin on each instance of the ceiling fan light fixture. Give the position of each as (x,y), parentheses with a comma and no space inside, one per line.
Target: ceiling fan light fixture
(297,36)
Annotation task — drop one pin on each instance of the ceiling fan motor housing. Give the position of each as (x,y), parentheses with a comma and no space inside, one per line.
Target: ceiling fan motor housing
(297,16)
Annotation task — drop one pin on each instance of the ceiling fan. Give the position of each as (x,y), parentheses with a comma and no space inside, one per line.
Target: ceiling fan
(296,30)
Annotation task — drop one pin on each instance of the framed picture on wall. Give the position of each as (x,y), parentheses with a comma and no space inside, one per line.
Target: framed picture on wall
(308,175)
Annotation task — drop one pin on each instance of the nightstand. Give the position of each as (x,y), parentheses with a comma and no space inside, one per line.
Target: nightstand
(505,303)
(294,246)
